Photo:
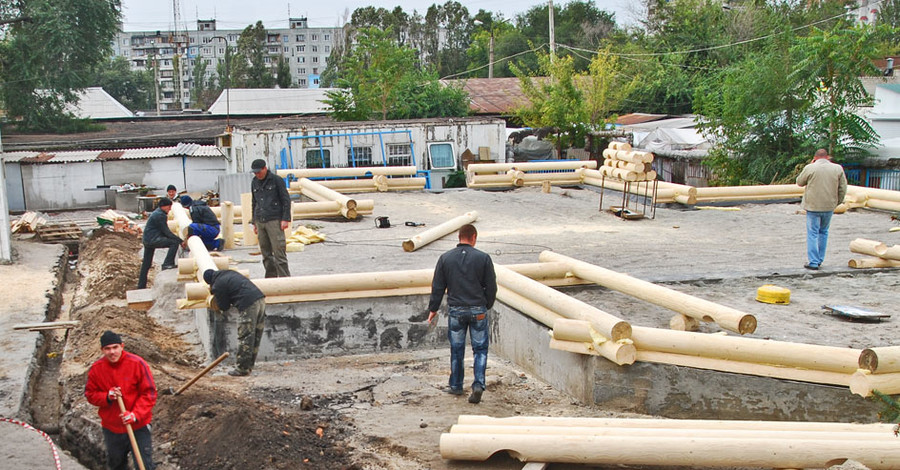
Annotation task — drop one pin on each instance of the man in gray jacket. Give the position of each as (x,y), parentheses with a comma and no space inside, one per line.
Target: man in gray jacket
(157,235)
(825,187)
(270,216)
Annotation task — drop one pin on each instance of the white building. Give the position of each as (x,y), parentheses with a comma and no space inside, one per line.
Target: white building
(307,50)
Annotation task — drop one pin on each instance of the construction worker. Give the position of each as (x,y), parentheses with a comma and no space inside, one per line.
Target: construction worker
(825,186)
(120,374)
(467,275)
(171,192)
(157,235)
(232,288)
(271,216)
(204,222)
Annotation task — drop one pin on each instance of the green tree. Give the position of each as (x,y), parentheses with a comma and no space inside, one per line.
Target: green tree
(556,100)
(381,80)
(203,89)
(283,72)
(453,21)
(249,69)
(578,24)
(889,14)
(605,88)
(47,53)
(134,89)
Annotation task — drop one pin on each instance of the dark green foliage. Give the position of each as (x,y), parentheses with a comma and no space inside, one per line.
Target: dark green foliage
(890,412)
(134,89)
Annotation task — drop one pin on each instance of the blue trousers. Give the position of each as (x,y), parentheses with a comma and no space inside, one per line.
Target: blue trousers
(817,236)
(473,320)
(207,233)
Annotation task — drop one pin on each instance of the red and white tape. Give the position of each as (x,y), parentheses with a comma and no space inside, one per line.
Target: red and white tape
(42,433)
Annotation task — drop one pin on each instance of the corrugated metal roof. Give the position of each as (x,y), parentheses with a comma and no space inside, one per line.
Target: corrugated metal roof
(638,118)
(180,150)
(270,101)
(96,103)
(492,95)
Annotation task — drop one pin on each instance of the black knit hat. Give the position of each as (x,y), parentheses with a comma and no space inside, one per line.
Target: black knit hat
(171,187)
(109,338)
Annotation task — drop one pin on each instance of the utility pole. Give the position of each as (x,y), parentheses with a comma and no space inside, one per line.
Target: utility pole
(156,80)
(552,35)
(491,54)
(5,232)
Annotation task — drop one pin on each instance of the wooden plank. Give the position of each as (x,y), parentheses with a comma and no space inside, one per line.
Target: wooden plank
(46,325)
(140,299)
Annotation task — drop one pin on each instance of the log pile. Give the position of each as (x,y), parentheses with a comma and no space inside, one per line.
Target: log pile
(360,179)
(29,222)
(878,254)
(687,443)
(510,175)
(622,163)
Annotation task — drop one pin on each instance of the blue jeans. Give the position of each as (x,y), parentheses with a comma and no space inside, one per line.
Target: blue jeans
(817,235)
(475,321)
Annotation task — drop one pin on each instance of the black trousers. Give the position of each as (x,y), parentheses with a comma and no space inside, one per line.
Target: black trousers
(172,245)
(118,446)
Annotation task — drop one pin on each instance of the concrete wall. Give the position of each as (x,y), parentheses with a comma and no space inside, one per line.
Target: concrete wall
(15,192)
(62,185)
(348,326)
(670,391)
(194,174)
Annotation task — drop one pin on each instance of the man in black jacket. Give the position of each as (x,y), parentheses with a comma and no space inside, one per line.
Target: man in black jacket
(270,216)
(204,222)
(468,277)
(157,235)
(231,288)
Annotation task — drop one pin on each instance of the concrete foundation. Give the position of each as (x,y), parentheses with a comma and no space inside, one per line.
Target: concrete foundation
(353,326)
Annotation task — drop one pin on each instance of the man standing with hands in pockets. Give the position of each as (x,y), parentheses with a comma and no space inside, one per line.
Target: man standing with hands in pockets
(270,216)
(467,275)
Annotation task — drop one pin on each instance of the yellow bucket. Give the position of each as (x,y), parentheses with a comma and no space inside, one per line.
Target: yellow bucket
(771,294)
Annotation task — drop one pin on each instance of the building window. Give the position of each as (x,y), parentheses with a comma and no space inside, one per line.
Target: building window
(399,154)
(319,158)
(315,49)
(441,155)
(315,81)
(303,82)
(301,48)
(315,60)
(313,37)
(326,37)
(327,48)
(285,38)
(301,37)
(315,70)
(359,156)
(302,70)
(301,60)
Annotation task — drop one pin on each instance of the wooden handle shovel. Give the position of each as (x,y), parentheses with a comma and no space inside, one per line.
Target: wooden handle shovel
(202,373)
(134,444)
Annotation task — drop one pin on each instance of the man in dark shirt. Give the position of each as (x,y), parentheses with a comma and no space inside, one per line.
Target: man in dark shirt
(468,277)
(270,216)
(204,222)
(232,288)
(157,235)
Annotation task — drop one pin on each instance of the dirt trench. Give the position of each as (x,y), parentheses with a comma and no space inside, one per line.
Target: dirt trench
(206,427)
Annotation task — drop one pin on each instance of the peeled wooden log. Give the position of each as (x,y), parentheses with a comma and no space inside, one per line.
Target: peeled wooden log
(684,451)
(746,368)
(726,317)
(505,179)
(580,331)
(747,350)
(527,307)
(568,176)
(530,166)
(867,247)
(250,237)
(182,219)
(883,204)
(188,266)
(875,193)
(613,430)
(619,173)
(882,360)
(862,383)
(321,193)
(780,190)
(369,185)
(682,322)
(641,188)
(238,211)
(891,252)
(606,324)
(440,231)
(347,172)
(201,257)
(635,167)
(657,423)
(874,262)
(228,224)
(615,145)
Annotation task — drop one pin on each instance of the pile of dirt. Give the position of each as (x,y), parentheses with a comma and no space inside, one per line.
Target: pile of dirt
(205,427)
(109,265)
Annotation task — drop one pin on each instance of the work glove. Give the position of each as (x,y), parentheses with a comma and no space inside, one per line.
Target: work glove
(129,418)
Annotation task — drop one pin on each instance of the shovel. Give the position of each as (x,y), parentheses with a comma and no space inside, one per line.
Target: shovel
(171,391)
(134,444)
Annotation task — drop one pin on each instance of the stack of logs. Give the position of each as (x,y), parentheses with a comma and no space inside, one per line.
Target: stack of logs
(879,254)
(623,163)
(509,175)
(360,179)
(680,443)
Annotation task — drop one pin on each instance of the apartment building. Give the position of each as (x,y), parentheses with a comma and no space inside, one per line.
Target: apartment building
(307,50)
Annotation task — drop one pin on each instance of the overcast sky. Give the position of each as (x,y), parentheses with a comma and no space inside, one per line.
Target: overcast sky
(143,15)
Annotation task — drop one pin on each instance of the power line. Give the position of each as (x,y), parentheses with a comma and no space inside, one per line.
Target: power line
(496,61)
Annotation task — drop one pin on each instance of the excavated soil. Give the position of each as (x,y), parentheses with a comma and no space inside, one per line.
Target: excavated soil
(207,427)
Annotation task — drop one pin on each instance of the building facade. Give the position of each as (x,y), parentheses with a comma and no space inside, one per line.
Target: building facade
(307,50)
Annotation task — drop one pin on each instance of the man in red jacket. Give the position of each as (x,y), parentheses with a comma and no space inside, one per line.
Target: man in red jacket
(122,374)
